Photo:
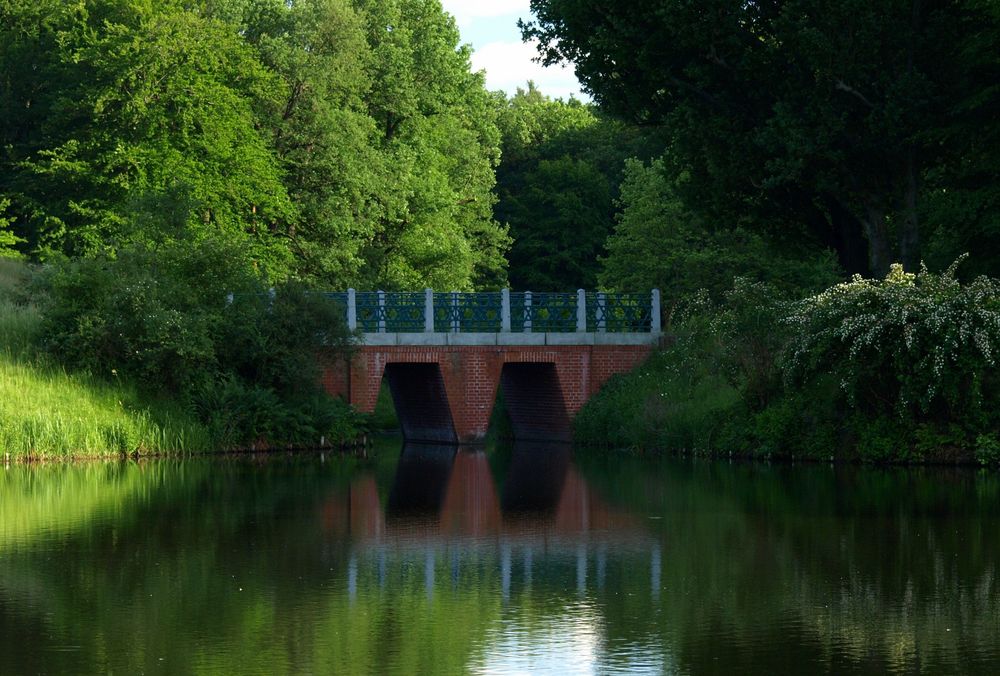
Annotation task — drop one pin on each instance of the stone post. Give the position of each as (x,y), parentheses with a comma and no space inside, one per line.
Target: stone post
(655,318)
(381,311)
(352,310)
(581,311)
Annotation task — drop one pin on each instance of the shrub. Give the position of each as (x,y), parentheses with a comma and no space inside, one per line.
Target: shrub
(194,320)
(912,345)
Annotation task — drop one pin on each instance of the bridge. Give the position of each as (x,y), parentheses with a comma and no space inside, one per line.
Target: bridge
(446,355)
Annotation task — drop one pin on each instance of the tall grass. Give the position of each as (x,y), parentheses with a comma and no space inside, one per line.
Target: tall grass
(47,412)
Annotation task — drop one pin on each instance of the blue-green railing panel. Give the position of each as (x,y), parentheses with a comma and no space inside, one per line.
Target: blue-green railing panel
(546,313)
(395,312)
(467,312)
(619,312)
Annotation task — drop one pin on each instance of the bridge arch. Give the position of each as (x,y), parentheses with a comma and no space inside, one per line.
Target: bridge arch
(533,397)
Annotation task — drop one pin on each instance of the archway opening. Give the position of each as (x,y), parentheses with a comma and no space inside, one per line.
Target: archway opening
(421,402)
(534,402)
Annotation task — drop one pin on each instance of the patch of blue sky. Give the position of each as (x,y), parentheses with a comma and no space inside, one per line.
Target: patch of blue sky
(490,26)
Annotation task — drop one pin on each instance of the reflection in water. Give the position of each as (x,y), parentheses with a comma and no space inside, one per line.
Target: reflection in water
(444,560)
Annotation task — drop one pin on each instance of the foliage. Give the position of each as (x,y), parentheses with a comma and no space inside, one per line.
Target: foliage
(47,412)
(160,316)
(140,109)
(920,345)
(679,399)
(7,238)
(899,369)
(346,141)
(988,448)
(826,124)
(659,243)
(557,184)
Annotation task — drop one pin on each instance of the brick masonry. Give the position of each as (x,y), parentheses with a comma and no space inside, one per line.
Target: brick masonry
(472,374)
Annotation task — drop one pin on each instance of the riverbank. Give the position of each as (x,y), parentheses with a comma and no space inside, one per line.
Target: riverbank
(899,370)
(49,411)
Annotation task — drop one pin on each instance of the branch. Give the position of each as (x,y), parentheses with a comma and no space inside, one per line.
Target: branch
(844,87)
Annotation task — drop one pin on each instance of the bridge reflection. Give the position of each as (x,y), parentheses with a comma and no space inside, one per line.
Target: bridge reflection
(443,512)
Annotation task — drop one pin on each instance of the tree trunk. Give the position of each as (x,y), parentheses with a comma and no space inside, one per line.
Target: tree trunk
(909,231)
(848,239)
(878,239)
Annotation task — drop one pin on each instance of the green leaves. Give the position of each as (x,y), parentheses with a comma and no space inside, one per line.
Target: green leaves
(827,125)
(7,238)
(911,344)
(557,184)
(344,142)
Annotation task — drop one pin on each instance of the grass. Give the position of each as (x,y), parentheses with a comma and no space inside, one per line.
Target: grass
(46,412)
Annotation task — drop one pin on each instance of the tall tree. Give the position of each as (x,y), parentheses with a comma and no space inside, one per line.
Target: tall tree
(133,121)
(342,141)
(557,183)
(786,114)
(436,130)
(658,242)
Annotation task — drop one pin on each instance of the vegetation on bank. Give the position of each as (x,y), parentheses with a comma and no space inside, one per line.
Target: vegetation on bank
(47,411)
(101,357)
(160,158)
(898,369)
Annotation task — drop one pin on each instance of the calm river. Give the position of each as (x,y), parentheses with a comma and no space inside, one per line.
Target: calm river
(522,560)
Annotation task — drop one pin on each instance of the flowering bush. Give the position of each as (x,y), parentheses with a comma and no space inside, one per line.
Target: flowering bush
(922,345)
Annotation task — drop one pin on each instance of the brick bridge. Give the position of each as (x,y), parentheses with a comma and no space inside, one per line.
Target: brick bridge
(446,355)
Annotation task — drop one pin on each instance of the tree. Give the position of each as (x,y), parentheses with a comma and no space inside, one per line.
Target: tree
(345,141)
(557,184)
(658,242)
(140,112)
(806,119)
(7,238)
(437,134)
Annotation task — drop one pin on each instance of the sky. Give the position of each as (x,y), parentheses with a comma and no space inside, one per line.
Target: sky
(490,26)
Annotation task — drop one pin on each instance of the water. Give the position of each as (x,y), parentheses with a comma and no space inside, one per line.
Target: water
(523,560)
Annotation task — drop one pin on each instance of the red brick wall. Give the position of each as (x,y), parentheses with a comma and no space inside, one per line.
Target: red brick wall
(472,374)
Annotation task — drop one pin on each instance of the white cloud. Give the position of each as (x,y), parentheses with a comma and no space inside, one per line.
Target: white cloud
(509,65)
(467,11)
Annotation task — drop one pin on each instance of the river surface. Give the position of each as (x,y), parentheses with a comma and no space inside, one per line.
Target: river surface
(531,559)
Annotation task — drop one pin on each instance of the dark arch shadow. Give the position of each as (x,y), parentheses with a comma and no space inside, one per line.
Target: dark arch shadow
(534,402)
(535,478)
(421,480)
(421,402)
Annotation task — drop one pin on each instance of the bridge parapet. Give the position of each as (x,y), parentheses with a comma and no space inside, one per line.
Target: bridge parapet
(503,317)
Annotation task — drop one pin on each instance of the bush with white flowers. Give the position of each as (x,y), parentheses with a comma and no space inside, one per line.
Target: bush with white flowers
(923,345)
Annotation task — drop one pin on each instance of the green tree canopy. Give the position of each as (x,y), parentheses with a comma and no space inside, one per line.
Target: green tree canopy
(557,184)
(341,141)
(133,111)
(815,121)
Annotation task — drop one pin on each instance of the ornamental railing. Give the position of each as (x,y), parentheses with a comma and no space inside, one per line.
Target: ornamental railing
(503,311)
